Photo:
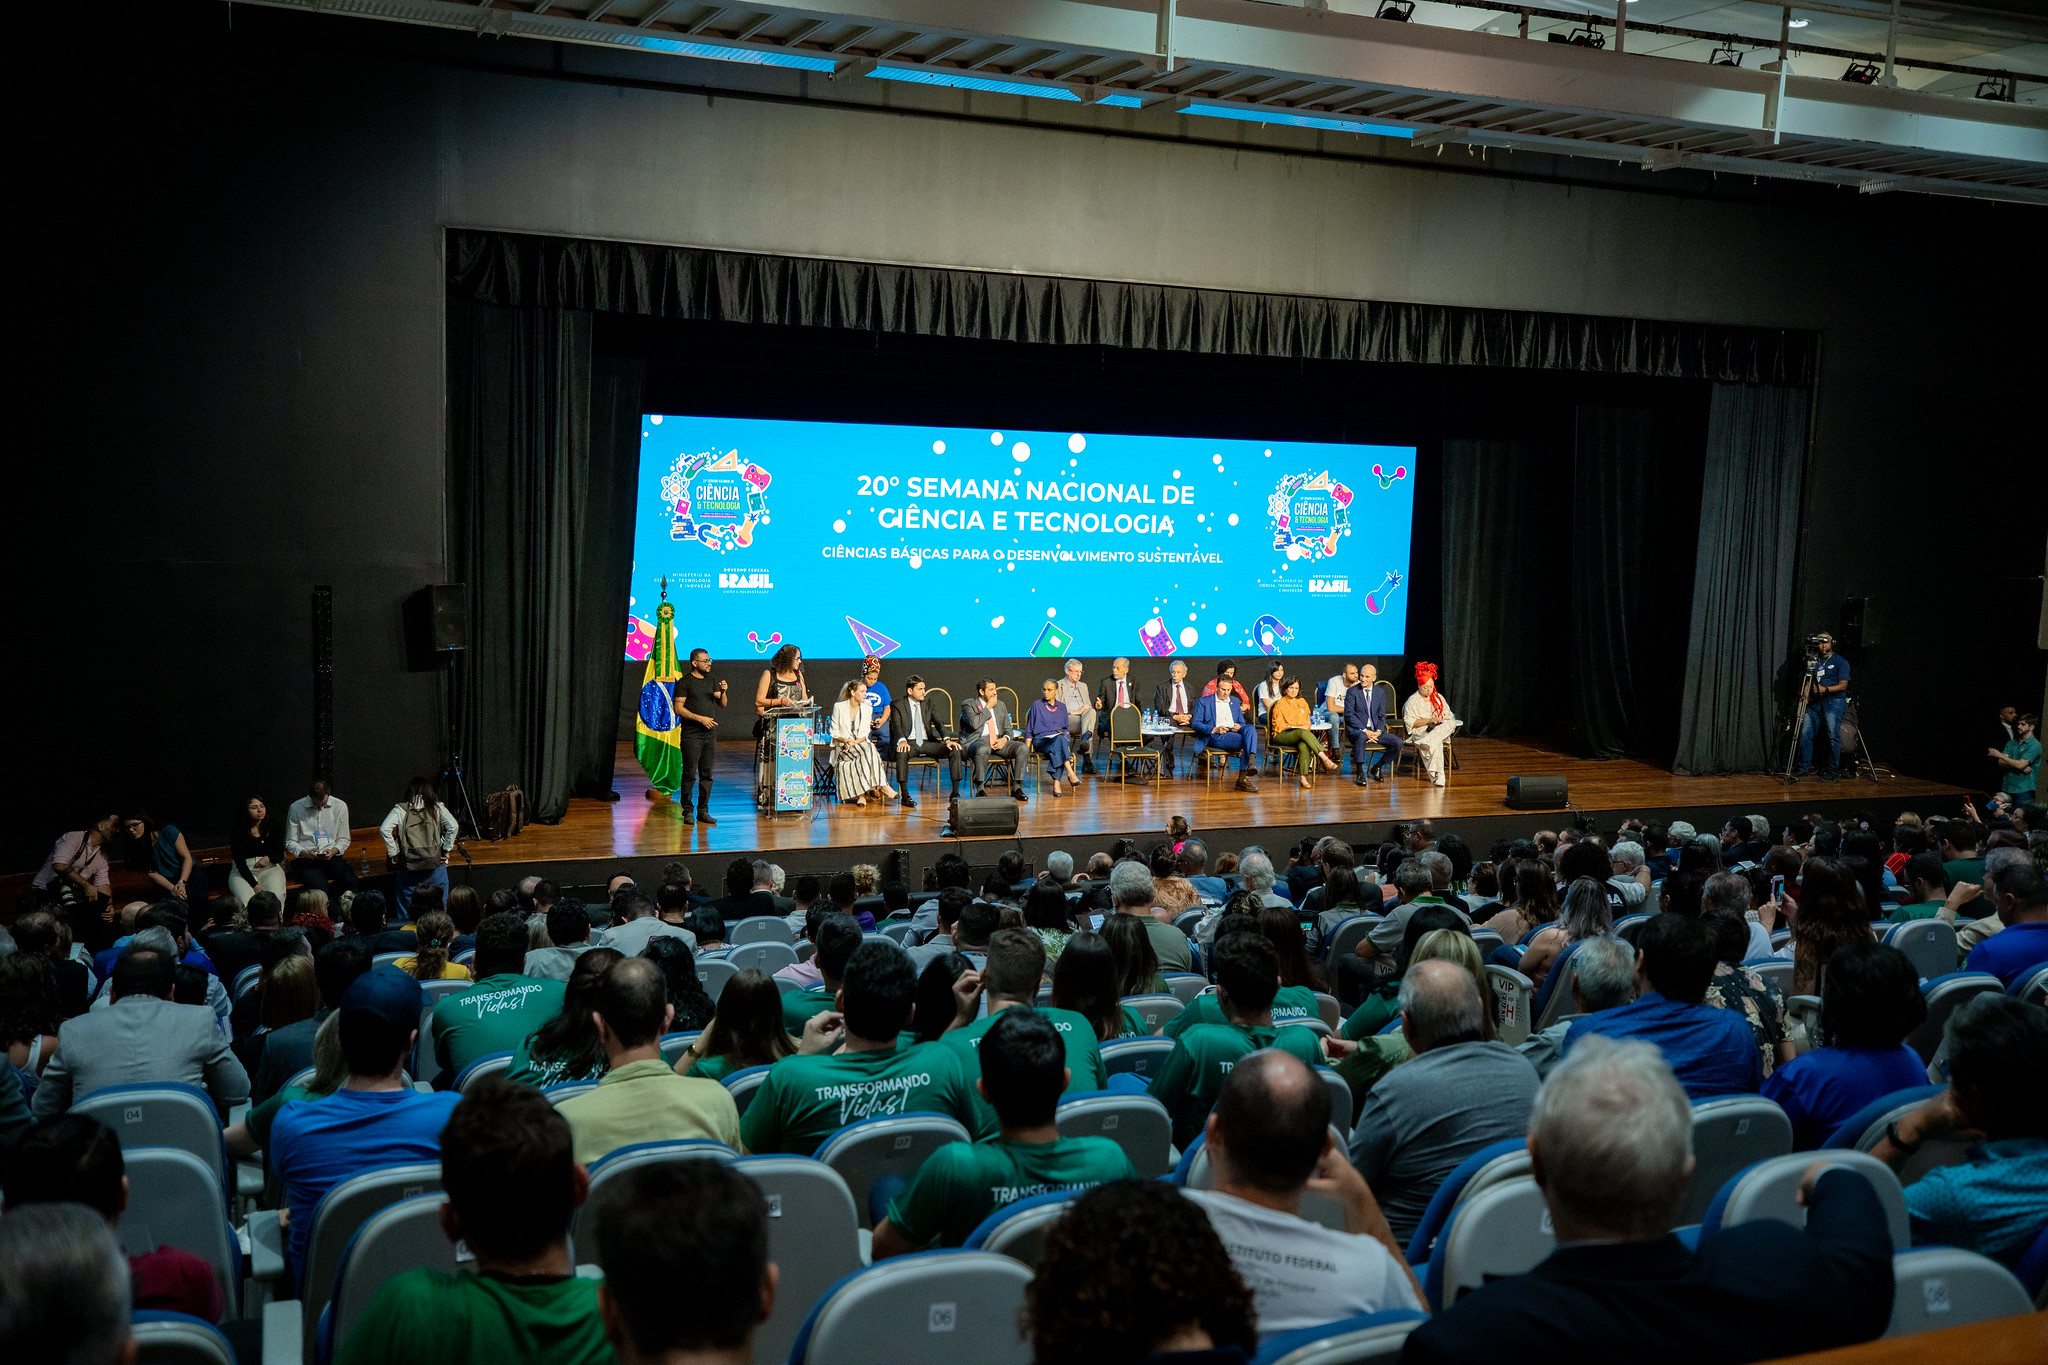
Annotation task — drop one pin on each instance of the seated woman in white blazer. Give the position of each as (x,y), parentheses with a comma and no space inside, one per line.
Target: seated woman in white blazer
(855,763)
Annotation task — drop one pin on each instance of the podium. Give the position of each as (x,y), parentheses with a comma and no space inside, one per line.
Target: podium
(789,781)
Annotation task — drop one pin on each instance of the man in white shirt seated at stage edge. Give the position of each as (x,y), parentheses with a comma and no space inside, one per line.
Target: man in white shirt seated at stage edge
(1268,1141)
(316,840)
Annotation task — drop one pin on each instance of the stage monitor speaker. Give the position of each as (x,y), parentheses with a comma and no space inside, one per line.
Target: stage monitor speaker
(1537,793)
(436,624)
(984,815)
(1859,623)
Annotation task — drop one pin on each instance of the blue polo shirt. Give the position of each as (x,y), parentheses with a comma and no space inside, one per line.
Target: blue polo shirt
(1710,1050)
(1820,1089)
(2012,951)
(878,699)
(1831,670)
(1991,1204)
(316,1146)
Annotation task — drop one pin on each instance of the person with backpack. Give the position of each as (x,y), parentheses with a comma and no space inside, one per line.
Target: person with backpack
(418,836)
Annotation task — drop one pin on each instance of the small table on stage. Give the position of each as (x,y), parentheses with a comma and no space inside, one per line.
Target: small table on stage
(1177,734)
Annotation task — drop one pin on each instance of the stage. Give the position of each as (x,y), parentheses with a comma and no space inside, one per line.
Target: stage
(635,835)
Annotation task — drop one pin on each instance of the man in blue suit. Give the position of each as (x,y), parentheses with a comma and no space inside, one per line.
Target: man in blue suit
(1219,723)
(1365,721)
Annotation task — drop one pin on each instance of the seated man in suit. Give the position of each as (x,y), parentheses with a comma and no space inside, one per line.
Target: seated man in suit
(1220,720)
(1365,723)
(988,733)
(1174,700)
(921,733)
(1609,1149)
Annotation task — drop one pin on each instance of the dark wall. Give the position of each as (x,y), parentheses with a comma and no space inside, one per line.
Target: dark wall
(230,275)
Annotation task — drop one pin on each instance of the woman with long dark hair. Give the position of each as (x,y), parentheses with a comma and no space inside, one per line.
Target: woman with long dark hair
(1830,916)
(419,833)
(1046,914)
(678,964)
(567,1047)
(780,692)
(745,1030)
(1535,901)
(1170,890)
(1137,963)
(1586,914)
(160,853)
(256,850)
(935,1009)
(1084,980)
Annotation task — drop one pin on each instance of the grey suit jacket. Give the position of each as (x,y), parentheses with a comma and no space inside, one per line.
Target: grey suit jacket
(138,1040)
(974,715)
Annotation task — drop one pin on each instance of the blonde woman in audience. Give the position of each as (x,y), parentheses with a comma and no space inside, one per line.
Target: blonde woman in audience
(1363,1063)
(330,1069)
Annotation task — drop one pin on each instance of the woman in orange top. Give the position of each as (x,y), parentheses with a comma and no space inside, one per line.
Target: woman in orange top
(1290,718)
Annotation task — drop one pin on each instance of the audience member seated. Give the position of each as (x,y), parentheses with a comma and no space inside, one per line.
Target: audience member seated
(141,1037)
(746,1030)
(806,973)
(944,911)
(1024,1065)
(234,950)
(1610,1146)
(1016,963)
(936,1009)
(1136,1272)
(289,995)
(699,1224)
(1926,889)
(641,1098)
(837,936)
(366,917)
(289,1050)
(1382,1005)
(1269,1142)
(163,927)
(29,1016)
(678,967)
(806,1098)
(568,1047)
(1300,978)
(2021,947)
(64,1295)
(569,931)
(1130,945)
(76,1159)
(1744,991)
(1587,913)
(1870,1001)
(1997,1097)
(634,921)
(1831,915)
(330,1069)
(1364,1062)
(503,1008)
(375,1119)
(1460,1093)
(511,1187)
(1604,978)
(1130,884)
(1247,977)
(1711,1051)
(1416,890)
(246,1015)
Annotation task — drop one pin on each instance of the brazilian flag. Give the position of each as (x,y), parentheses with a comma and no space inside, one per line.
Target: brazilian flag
(659,741)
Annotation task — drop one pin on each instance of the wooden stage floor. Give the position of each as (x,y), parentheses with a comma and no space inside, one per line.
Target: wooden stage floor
(1100,810)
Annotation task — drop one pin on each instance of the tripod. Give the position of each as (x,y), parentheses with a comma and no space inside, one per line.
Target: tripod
(454,785)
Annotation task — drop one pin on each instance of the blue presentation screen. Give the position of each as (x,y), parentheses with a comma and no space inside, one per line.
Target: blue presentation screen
(961,543)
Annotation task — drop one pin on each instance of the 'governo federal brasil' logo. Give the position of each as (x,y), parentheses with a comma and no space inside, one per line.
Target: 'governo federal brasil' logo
(1310,514)
(717,499)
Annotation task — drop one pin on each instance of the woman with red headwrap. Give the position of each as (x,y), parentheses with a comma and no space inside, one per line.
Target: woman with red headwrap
(1429,721)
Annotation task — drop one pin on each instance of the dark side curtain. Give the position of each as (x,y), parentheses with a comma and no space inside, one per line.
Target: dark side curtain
(1505,567)
(539,501)
(1635,501)
(1742,584)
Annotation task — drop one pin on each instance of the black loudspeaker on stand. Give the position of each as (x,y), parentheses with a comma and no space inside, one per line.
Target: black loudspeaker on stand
(1546,792)
(983,815)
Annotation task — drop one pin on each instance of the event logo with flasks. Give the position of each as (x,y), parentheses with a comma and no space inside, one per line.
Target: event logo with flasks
(717,499)
(1310,514)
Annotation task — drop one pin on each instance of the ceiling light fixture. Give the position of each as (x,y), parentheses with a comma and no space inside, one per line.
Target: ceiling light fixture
(1862,73)
(1399,11)
(745,55)
(1796,23)
(1251,113)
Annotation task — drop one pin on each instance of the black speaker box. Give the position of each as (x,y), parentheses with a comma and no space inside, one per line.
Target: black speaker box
(984,815)
(1537,793)
(436,624)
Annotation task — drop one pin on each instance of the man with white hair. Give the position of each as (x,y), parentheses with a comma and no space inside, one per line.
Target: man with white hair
(64,1288)
(1130,886)
(1255,873)
(1462,1091)
(1730,891)
(1603,978)
(1059,865)
(1610,1148)
(1631,877)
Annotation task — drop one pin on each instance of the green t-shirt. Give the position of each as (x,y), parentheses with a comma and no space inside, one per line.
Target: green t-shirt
(497,1014)
(964,1182)
(1962,870)
(1193,1073)
(806,1099)
(1375,1057)
(2027,751)
(1902,914)
(1293,1002)
(541,1075)
(799,1006)
(257,1120)
(713,1068)
(425,1317)
(1084,1054)
(1378,1010)
(1134,1024)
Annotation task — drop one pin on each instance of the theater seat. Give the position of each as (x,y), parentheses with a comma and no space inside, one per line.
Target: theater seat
(760,929)
(1862,1130)
(1728,1136)
(1939,1287)
(713,973)
(177,1339)
(174,1201)
(170,1114)
(1944,996)
(877,1157)
(567,1090)
(1348,1341)
(341,1211)
(2031,987)
(674,1045)
(1137,1123)
(1929,944)
(493,1064)
(1157,1010)
(1516,995)
(813,1238)
(615,1163)
(1769,1190)
(1502,1230)
(1195,1173)
(744,1083)
(1508,1157)
(1139,1057)
(768,958)
(1345,936)
(1018,1230)
(931,1308)
(400,1237)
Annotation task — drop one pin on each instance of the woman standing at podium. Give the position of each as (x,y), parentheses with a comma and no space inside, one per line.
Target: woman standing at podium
(780,692)
(855,763)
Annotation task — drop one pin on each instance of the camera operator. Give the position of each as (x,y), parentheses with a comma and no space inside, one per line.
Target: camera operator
(1827,697)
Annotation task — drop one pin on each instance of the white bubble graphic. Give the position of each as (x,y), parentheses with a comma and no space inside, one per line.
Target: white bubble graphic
(943,630)
(1073,464)
(938,447)
(1294,552)
(1020,452)
(1191,616)
(917,561)
(1201,516)
(1077,443)
(1176,473)
(838,525)
(995,438)
(1050,611)
(656,419)
(1220,627)
(1233,518)
(1011,567)
(995,623)
(1216,459)
(1188,637)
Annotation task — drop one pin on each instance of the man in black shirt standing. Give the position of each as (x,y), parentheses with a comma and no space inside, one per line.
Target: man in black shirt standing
(695,694)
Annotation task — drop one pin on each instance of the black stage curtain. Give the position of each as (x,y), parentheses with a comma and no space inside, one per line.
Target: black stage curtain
(1506,570)
(517,270)
(1742,586)
(541,472)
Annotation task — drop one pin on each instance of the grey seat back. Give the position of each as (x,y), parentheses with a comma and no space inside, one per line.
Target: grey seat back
(1770,1189)
(1136,1056)
(1383,1342)
(1137,1123)
(1931,1153)
(400,1237)
(1344,938)
(1513,994)
(1938,1287)
(1503,1230)
(179,1116)
(1317,1208)
(480,1069)
(1156,1010)
(813,1238)
(345,1208)
(1728,1135)
(760,929)
(425,1065)
(568,1090)
(744,1086)
(1929,944)
(173,1339)
(1021,1236)
(1329,1009)
(1775,970)
(1944,1000)
(610,1167)
(761,957)
(174,1200)
(1340,1099)
(944,1309)
(874,1150)
(2032,988)
(1186,985)
(674,1045)
(714,972)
